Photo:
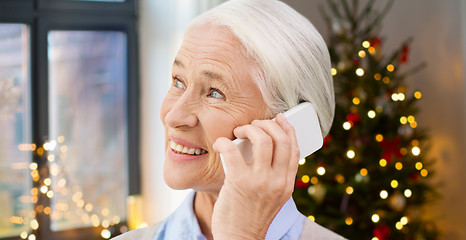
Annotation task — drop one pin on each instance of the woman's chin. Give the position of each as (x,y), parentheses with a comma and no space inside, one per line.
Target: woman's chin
(192,175)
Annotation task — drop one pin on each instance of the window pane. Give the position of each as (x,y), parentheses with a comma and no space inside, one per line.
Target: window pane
(15,131)
(98,0)
(88,127)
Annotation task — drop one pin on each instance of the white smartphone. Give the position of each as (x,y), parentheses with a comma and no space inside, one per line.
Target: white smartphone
(303,118)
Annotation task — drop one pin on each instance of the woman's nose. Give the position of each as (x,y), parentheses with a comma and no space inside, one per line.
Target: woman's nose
(182,114)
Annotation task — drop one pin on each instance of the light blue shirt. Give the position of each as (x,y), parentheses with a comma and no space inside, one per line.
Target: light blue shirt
(182,224)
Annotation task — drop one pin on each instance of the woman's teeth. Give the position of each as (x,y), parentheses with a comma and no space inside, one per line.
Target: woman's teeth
(185,150)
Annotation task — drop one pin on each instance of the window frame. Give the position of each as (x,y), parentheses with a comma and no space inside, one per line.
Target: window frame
(43,16)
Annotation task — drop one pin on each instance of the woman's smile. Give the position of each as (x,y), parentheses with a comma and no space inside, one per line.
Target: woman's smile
(182,150)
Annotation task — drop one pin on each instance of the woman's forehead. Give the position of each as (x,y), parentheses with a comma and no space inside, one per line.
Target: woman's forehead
(213,41)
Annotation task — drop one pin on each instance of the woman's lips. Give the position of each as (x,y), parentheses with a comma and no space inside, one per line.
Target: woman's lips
(182,150)
(178,148)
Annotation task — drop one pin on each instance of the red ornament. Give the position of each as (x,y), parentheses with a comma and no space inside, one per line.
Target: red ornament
(301,184)
(414,176)
(391,147)
(404,54)
(327,140)
(382,232)
(375,42)
(353,118)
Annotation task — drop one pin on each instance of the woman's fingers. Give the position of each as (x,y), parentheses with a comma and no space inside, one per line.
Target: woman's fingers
(281,143)
(294,149)
(262,144)
(231,155)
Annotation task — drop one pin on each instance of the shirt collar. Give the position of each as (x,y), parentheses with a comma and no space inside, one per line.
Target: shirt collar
(284,221)
(183,224)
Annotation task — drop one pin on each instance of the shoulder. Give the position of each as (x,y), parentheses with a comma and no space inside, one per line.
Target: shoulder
(313,231)
(146,233)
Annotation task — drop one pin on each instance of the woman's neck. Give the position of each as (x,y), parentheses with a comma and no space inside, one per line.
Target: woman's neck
(203,209)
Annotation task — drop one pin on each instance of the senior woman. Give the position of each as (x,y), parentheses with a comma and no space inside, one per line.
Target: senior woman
(240,65)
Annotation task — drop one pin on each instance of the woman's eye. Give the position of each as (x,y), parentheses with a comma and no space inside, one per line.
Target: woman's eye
(178,83)
(214,93)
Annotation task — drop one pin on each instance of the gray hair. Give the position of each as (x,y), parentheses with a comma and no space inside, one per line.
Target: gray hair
(292,57)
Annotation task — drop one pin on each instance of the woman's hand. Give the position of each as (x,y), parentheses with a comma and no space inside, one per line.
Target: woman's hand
(254,192)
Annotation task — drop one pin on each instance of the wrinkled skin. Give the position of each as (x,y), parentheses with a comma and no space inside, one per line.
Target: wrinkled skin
(213,100)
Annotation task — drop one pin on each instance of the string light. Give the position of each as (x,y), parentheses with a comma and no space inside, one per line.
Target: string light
(356,101)
(413,124)
(377,76)
(47,210)
(366,44)
(424,172)
(314,180)
(47,181)
(398,166)
(379,137)
(404,220)
(375,238)
(375,218)
(350,154)
(401,96)
(360,72)
(363,171)
(106,234)
(23,235)
(340,178)
(312,218)
(403,120)
(390,67)
(399,225)
(347,125)
(394,183)
(371,114)
(88,207)
(386,80)
(398,97)
(361,53)
(105,224)
(321,171)
(34,224)
(302,161)
(305,179)
(44,189)
(32,237)
(371,50)
(50,194)
(417,95)
(40,151)
(33,166)
(383,194)
(419,165)
(383,162)
(349,221)
(403,151)
(411,119)
(334,71)
(408,193)
(416,151)
(349,190)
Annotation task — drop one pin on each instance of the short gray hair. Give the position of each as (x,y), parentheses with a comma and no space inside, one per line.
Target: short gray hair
(292,57)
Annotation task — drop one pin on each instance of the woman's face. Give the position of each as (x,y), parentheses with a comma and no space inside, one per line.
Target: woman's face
(212,92)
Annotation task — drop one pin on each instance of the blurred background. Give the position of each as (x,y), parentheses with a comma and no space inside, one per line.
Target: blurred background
(81,84)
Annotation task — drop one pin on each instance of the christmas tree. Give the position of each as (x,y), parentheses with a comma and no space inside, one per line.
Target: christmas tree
(371,178)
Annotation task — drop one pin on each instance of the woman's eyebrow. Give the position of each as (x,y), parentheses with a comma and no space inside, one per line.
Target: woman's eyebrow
(213,75)
(178,63)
